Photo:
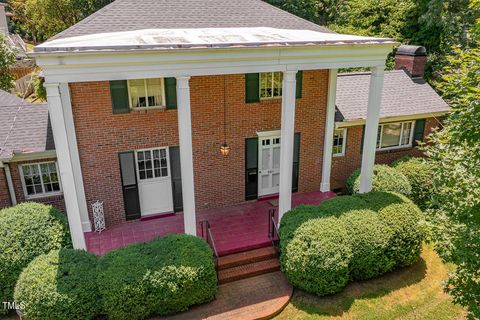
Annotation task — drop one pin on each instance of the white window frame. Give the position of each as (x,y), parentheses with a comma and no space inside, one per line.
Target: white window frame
(272,74)
(43,194)
(167,154)
(342,154)
(164,97)
(403,146)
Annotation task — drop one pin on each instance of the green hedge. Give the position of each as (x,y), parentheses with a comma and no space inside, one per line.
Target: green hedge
(348,237)
(369,238)
(406,240)
(318,257)
(60,285)
(27,231)
(419,174)
(385,178)
(161,277)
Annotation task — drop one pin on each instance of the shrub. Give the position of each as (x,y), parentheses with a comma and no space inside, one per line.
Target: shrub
(385,178)
(27,231)
(164,276)
(378,200)
(406,241)
(316,259)
(339,205)
(60,285)
(369,238)
(419,174)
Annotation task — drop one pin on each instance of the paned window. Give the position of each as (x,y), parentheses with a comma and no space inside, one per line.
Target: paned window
(339,141)
(395,135)
(146,93)
(152,163)
(40,179)
(271,85)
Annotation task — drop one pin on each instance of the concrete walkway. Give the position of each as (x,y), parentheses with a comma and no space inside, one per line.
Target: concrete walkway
(260,297)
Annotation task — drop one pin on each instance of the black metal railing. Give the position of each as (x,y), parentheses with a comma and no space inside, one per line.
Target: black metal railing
(206,233)
(273,228)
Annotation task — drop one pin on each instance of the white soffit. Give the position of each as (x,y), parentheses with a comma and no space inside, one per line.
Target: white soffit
(200,38)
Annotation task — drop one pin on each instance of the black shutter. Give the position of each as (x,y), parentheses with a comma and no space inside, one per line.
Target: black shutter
(129,185)
(296,162)
(119,94)
(299,84)
(251,168)
(176,178)
(171,93)
(252,87)
(419,131)
(363,138)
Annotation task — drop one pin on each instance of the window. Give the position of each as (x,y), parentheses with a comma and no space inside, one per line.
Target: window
(146,93)
(395,135)
(40,179)
(271,85)
(339,140)
(152,163)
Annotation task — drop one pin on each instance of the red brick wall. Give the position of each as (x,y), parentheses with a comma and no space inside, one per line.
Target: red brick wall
(4,194)
(219,181)
(342,167)
(414,64)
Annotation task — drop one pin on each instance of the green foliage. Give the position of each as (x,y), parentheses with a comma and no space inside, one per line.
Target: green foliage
(60,285)
(419,174)
(406,240)
(318,11)
(7,59)
(317,242)
(27,231)
(317,258)
(369,238)
(38,87)
(164,276)
(385,178)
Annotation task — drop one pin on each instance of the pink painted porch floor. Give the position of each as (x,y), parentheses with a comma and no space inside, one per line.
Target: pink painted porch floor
(237,228)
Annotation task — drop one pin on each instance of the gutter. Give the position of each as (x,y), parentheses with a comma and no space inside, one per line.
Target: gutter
(17,157)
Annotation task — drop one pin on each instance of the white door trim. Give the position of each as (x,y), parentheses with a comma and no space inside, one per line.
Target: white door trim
(264,135)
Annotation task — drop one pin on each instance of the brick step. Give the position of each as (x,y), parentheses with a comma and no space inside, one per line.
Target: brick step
(246,257)
(248,270)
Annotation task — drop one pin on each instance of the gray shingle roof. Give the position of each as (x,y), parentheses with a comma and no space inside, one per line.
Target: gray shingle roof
(401,96)
(24,127)
(129,15)
(8,99)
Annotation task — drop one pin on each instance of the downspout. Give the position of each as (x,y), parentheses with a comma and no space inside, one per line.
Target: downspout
(8,174)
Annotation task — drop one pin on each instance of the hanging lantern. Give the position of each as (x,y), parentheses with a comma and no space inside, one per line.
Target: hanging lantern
(225,149)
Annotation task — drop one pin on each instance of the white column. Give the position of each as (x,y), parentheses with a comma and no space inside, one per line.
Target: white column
(329,127)
(64,158)
(75,157)
(186,154)
(8,175)
(286,141)
(371,129)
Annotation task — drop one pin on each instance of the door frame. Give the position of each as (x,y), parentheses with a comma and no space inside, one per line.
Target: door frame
(272,134)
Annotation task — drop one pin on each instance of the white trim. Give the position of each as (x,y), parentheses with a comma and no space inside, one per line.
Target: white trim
(49,154)
(403,146)
(271,133)
(354,123)
(11,190)
(329,127)
(44,194)
(344,145)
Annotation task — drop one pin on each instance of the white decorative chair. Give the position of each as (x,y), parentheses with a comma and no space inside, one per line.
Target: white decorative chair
(98,216)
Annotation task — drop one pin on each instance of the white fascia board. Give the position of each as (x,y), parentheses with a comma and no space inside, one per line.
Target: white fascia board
(103,66)
(354,123)
(49,154)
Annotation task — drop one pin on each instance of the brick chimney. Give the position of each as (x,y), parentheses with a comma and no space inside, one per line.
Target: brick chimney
(3,19)
(412,59)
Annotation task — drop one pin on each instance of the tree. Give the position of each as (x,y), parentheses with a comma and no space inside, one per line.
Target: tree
(7,59)
(455,157)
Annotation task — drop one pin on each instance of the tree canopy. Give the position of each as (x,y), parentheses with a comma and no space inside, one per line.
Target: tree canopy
(7,59)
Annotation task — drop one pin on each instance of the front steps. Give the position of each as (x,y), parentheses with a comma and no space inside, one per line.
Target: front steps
(247,264)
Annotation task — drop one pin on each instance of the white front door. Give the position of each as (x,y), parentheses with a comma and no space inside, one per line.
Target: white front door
(269,164)
(154,181)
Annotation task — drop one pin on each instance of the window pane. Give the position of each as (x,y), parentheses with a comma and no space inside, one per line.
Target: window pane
(155,92)
(44,168)
(391,135)
(30,190)
(157,173)
(56,186)
(52,167)
(38,188)
(142,175)
(26,170)
(265,85)
(164,172)
(277,84)
(137,93)
(407,130)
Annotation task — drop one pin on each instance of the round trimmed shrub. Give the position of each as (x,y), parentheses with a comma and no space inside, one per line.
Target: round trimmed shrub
(60,285)
(419,174)
(339,205)
(27,231)
(406,241)
(369,238)
(385,178)
(377,200)
(317,258)
(164,276)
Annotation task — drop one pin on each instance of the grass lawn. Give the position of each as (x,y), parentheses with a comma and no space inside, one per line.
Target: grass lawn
(410,293)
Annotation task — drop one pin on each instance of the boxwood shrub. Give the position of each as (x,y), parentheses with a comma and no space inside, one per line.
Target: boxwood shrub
(27,231)
(385,178)
(419,174)
(406,241)
(60,285)
(161,277)
(377,200)
(369,238)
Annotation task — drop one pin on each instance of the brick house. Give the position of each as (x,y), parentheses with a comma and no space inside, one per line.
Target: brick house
(179,118)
